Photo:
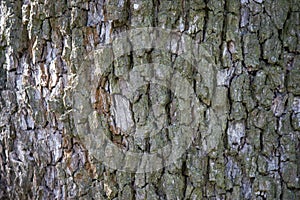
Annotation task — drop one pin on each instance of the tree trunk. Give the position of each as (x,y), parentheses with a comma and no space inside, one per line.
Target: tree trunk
(233,103)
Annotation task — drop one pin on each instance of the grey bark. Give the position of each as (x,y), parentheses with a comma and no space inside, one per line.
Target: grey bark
(254,46)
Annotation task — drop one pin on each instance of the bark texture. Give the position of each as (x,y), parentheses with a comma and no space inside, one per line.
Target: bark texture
(255,49)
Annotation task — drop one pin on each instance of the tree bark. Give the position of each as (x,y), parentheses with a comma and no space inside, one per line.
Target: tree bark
(247,145)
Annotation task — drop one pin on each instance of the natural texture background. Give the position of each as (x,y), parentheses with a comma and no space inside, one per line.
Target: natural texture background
(255,46)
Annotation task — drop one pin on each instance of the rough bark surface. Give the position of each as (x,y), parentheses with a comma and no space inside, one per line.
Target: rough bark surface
(255,49)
